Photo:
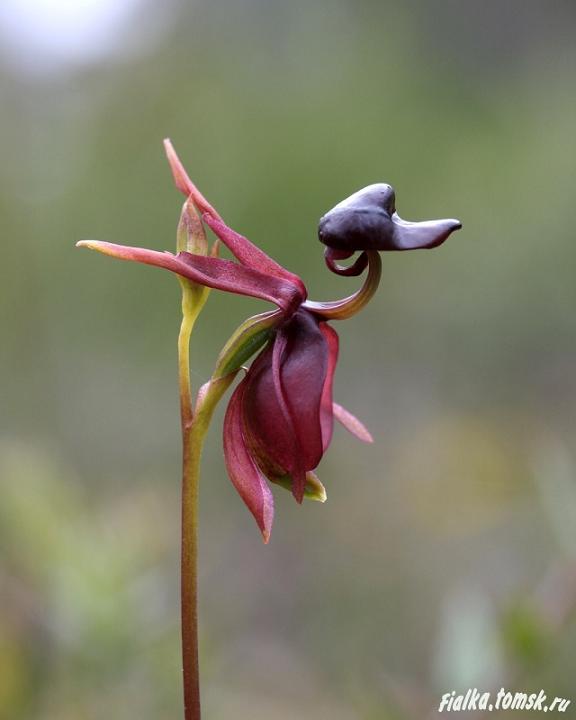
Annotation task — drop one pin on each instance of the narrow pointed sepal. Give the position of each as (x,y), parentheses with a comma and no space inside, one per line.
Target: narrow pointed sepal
(326,404)
(183,182)
(249,254)
(210,271)
(352,424)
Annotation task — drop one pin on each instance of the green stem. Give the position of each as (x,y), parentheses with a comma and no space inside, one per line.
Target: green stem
(189,574)
(194,428)
(192,448)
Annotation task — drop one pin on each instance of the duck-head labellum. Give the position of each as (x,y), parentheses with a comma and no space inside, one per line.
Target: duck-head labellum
(367,220)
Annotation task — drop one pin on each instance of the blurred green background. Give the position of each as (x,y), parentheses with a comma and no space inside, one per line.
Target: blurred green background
(445,557)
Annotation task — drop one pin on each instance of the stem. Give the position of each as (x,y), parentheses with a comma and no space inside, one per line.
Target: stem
(194,428)
(189,576)
(192,447)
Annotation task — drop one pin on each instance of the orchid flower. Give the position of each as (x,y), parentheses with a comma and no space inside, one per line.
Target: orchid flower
(279,419)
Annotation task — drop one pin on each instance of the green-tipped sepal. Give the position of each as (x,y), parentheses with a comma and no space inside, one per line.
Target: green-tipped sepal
(313,489)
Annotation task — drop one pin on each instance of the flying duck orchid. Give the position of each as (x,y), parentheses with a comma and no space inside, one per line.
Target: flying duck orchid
(279,419)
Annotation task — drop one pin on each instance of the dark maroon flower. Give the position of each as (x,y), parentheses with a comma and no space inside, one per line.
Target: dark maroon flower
(279,420)
(280,417)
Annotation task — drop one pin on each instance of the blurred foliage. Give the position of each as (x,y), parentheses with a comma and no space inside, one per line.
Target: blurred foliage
(446,552)
(525,635)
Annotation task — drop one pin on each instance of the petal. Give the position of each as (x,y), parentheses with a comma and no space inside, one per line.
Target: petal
(210,271)
(268,424)
(284,396)
(243,471)
(295,462)
(249,254)
(352,424)
(303,376)
(326,407)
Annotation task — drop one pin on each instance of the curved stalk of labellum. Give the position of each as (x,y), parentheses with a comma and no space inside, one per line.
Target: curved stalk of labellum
(349,306)
(331,255)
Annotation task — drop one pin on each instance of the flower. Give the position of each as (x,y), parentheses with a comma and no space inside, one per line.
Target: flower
(279,420)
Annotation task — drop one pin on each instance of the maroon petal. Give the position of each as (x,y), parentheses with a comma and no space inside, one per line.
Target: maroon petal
(284,398)
(249,254)
(243,471)
(268,423)
(326,406)
(304,371)
(210,271)
(296,462)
